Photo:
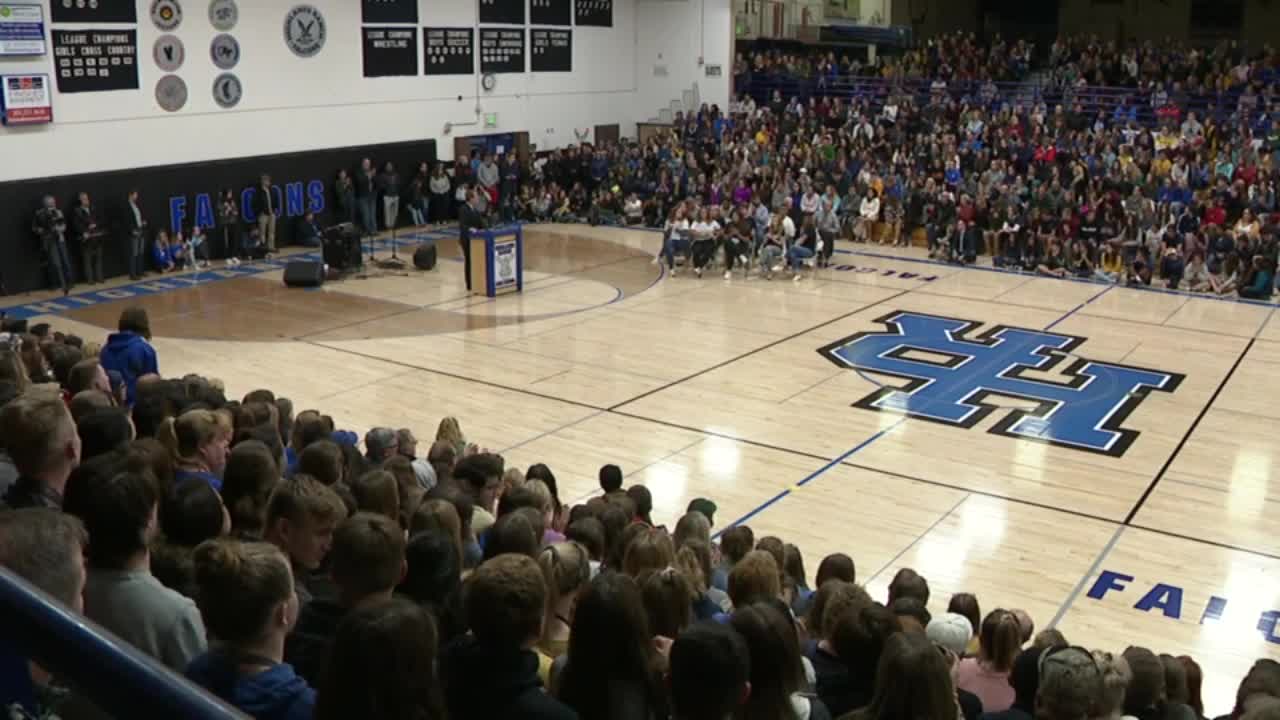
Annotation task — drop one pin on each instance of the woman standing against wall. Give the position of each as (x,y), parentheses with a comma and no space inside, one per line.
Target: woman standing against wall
(439,187)
(229,219)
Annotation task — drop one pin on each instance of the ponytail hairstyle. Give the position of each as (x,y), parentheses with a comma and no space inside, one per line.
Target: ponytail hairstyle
(566,568)
(1001,640)
(186,434)
(668,601)
(239,586)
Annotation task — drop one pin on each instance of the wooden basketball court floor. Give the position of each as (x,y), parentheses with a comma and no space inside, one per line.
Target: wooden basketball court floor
(717,388)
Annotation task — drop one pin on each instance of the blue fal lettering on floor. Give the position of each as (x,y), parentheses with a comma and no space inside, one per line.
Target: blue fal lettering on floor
(1168,600)
(950,376)
(170,283)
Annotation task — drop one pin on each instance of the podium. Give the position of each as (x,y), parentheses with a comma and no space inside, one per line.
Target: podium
(497,261)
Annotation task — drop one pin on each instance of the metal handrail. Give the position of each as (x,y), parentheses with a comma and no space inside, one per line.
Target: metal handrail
(108,672)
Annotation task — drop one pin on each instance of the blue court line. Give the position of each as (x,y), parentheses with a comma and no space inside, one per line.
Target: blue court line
(812,476)
(860,446)
(1077,308)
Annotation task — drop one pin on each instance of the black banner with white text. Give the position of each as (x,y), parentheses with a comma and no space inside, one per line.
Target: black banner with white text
(501,50)
(552,50)
(95,60)
(390,50)
(448,51)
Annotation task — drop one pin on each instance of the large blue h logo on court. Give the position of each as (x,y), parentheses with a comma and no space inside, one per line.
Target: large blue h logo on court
(949,378)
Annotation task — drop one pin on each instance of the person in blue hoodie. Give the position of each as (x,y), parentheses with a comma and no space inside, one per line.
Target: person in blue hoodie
(128,351)
(249,605)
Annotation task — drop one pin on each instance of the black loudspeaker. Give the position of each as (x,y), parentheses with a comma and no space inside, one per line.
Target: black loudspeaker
(342,247)
(424,258)
(304,273)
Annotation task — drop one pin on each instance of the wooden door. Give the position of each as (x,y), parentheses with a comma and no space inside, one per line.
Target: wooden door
(461,148)
(522,147)
(607,133)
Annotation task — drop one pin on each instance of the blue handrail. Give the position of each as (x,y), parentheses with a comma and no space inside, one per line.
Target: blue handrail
(109,672)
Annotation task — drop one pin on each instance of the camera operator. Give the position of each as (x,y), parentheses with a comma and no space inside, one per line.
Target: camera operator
(51,227)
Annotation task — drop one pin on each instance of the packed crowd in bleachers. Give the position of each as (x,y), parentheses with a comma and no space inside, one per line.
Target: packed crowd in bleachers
(266,555)
(1184,201)
(296,570)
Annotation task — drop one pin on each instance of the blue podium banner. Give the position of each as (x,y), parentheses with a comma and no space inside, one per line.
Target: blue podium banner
(504,260)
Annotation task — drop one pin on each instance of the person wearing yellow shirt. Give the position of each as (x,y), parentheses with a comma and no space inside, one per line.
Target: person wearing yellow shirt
(1161,166)
(1111,265)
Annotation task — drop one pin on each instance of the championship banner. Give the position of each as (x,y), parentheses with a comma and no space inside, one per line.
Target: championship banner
(96,60)
(550,12)
(21,30)
(88,13)
(502,12)
(552,50)
(596,13)
(501,50)
(389,11)
(390,51)
(25,100)
(448,51)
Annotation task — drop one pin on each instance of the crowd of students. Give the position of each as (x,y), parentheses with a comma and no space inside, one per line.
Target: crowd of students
(265,555)
(1185,202)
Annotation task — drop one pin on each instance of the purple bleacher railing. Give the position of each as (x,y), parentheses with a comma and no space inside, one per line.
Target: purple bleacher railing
(1093,98)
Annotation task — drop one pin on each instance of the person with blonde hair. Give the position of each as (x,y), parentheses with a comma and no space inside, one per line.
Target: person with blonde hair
(13,370)
(566,567)
(199,441)
(451,432)
(547,506)
(246,595)
(1115,681)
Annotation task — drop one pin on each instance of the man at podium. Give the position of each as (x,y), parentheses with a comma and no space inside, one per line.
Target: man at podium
(469,218)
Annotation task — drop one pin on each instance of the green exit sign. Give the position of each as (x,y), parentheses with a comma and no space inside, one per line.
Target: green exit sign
(491,120)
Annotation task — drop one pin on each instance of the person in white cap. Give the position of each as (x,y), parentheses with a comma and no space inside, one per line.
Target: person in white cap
(950,631)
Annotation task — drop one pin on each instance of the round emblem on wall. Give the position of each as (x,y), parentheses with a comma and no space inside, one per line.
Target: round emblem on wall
(223,14)
(171,93)
(225,51)
(304,30)
(168,52)
(166,14)
(227,90)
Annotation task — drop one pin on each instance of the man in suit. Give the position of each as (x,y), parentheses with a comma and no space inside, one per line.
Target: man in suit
(136,228)
(469,218)
(264,206)
(85,226)
(50,226)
